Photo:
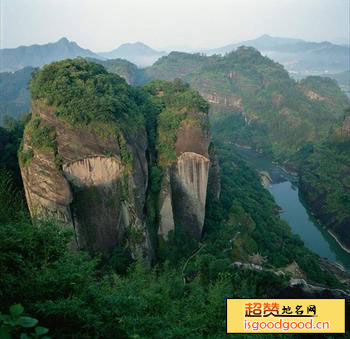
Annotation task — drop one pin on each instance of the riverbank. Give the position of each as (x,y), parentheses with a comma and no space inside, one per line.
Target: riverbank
(346,249)
(318,202)
(296,211)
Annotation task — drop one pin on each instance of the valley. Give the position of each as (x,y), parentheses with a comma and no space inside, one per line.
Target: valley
(284,188)
(134,201)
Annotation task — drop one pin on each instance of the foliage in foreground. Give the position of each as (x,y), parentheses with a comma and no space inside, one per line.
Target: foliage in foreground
(77,296)
(17,324)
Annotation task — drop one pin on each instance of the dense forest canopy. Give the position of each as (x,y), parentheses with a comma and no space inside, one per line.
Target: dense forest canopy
(83,92)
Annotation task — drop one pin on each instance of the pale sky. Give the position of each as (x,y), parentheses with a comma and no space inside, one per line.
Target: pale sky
(102,25)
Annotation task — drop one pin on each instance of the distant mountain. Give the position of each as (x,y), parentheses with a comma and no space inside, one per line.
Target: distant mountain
(295,54)
(137,53)
(265,42)
(13,59)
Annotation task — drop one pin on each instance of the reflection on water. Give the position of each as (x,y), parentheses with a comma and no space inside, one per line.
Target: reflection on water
(286,194)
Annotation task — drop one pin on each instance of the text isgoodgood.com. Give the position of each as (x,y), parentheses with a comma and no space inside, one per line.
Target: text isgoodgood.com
(286,325)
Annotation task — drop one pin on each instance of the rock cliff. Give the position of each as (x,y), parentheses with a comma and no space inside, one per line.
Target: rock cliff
(84,182)
(186,165)
(87,152)
(80,161)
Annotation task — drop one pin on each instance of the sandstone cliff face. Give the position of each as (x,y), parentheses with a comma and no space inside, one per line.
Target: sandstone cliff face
(185,183)
(88,148)
(189,185)
(90,189)
(232,101)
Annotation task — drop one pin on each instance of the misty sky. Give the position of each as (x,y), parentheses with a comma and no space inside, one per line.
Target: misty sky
(102,25)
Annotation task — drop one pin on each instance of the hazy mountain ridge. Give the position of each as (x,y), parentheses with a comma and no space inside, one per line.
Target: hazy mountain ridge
(296,54)
(12,59)
(137,53)
(264,42)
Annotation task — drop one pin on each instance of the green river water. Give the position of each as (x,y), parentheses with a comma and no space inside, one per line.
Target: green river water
(285,191)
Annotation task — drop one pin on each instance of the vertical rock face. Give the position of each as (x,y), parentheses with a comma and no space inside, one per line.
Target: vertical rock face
(91,190)
(48,192)
(96,184)
(166,222)
(190,181)
(184,188)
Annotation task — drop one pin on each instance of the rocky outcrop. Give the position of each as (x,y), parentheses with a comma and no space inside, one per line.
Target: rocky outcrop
(88,148)
(185,184)
(231,100)
(47,191)
(183,195)
(265,178)
(189,185)
(314,96)
(84,183)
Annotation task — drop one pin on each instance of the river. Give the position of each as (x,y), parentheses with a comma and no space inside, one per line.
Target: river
(285,191)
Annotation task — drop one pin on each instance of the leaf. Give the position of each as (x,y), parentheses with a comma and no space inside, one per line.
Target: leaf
(16,310)
(24,336)
(4,333)
(41,330)
(27,322)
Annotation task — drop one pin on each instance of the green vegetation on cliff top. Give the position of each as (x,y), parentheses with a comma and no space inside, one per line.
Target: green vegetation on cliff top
(175,102)
(84,93)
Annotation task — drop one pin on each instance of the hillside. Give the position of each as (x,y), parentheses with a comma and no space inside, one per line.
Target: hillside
(324,180)
(14,94)
(176,65)
(343,79)
(278,115)
(13,59)
(125,69)
(137,53)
